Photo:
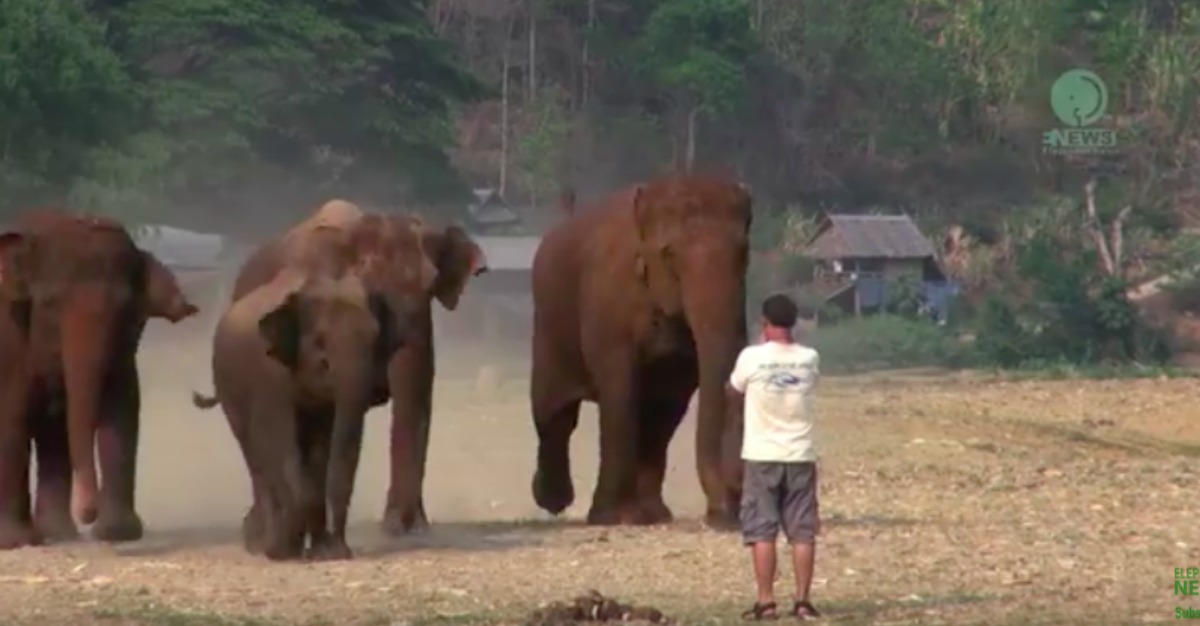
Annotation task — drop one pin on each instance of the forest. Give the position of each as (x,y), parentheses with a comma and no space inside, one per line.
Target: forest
(239,115)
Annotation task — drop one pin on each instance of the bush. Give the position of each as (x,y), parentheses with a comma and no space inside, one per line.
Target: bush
(884,341)
(1076,315)
(1000,340)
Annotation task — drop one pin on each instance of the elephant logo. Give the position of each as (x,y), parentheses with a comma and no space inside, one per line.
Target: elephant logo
(1079,98)
(780,381)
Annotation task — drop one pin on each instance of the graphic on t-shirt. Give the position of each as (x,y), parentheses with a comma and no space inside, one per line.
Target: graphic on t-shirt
(780,381)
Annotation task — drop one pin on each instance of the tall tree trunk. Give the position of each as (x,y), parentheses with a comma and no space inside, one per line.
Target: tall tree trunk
(690,158)
(532,73)
(506,64)
(587,53)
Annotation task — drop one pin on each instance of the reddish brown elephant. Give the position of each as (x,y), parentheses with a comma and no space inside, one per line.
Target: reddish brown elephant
(410,263)
(639,302)
(296,364)
(77,293)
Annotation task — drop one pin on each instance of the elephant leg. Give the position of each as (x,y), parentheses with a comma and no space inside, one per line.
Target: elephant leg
(24,502)
(315,428)
(273,445)
(660,417)
(663,406)
(16,525)
(410,380)
(619,425)
(346,447)
(52,515)
(117,443)
(553,489)
(254,522)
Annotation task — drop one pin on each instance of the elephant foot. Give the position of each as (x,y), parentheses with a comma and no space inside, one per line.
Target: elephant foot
(18,535)
(118,527)
(654,511)
(285,549)
(330,550)
(624,515)
(57,528)
(722,521)
(399,521)
(552,494)
(253,534)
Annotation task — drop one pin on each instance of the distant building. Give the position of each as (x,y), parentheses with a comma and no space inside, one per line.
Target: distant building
(181,249)
(857,257)
(495,314)
(490,213)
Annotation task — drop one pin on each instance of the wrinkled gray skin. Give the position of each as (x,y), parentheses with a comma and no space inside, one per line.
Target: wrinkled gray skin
(296,364)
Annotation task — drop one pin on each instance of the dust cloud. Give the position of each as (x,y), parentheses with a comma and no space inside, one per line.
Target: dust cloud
(191,475)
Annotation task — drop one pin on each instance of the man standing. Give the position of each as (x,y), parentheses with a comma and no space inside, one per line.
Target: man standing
(774,379)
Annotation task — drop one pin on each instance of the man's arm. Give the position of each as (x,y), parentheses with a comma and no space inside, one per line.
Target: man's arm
(735,387)
(733,394)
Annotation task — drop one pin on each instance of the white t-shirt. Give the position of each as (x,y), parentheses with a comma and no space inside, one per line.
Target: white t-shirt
(777,380)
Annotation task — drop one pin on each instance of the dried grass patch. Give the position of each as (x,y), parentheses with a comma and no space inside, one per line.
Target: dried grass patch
(946,502)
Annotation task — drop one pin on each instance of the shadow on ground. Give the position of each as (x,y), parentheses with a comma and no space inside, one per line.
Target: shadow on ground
(367,539)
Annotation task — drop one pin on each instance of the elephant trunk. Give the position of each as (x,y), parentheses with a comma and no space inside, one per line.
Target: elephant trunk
(87,322)
(718,321)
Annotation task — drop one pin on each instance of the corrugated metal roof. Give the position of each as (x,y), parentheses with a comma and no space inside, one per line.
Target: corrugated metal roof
(491,208)
(858,236)
(508,253)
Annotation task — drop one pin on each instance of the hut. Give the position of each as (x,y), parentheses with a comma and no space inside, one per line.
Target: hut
(857,257)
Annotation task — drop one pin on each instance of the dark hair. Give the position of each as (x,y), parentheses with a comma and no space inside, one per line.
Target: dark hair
(780,311)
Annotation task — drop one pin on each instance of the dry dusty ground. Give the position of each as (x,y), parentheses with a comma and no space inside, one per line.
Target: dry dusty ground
(947,500)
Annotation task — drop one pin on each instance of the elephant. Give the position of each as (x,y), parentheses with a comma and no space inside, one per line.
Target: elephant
(639,302)
(411,263)
(296,365)
(77,294)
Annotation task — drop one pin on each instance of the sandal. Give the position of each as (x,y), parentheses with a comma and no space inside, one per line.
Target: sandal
(761,611)
(804,610)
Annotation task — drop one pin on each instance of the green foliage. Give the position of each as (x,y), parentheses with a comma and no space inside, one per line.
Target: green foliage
(1077,314)
(886,341)
(699,50)
(541,154)
(903,297)
(126,106)
(63,93)
(1001,341)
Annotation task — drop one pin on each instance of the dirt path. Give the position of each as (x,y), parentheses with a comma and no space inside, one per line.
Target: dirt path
(945,502)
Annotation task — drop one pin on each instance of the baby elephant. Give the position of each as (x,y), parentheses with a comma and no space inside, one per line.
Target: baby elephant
(296,365)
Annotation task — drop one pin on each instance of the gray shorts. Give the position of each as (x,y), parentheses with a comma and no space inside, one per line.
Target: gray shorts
(778,495)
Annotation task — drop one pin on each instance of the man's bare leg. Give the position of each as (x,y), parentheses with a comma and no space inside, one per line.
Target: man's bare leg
(803,557)
(763,553)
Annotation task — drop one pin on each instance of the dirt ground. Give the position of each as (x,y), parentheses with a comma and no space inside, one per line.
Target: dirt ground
(948,499)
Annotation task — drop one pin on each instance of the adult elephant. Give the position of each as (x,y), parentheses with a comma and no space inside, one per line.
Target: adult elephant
(637,303)
(77,294)
(296,365)
(410,263)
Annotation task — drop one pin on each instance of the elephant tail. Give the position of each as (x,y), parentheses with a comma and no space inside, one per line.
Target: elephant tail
(203,402)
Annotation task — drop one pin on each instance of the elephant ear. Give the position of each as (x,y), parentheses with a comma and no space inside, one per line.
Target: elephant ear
(14,265)
(654,262)
(15,278)
(280,328)
(457,259)
(391,330)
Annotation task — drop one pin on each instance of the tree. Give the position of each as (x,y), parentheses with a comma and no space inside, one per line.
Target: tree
(699,51)
(63,94)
